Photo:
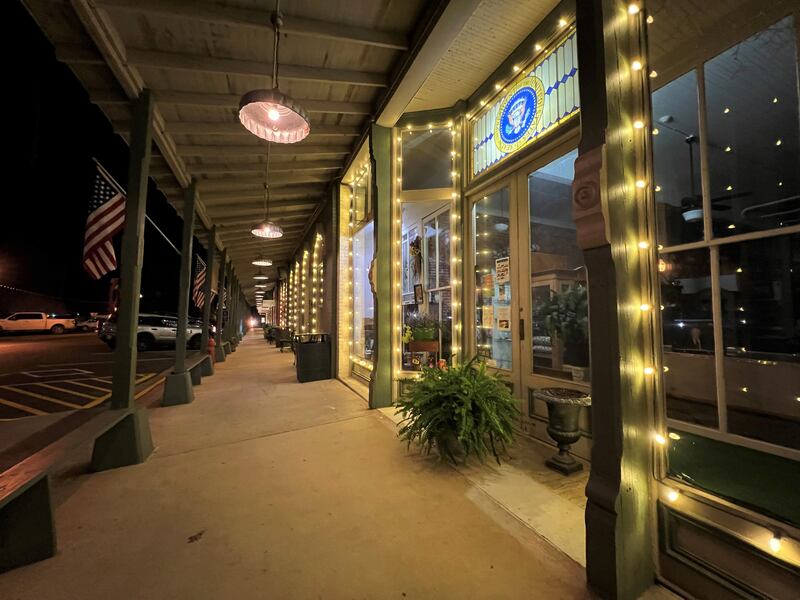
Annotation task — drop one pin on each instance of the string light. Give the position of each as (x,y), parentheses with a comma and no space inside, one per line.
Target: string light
(673,495)
(775,543)
(633,9)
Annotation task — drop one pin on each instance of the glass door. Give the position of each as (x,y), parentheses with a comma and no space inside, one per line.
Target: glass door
(554,298)
(495,304)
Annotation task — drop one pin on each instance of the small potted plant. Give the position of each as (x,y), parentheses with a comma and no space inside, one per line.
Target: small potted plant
(566,318)
(462,410)
(424,328)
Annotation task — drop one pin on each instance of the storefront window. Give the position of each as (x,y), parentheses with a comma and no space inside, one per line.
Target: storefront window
(426,298)
(676,153)
(730,317)
(753,132)
(560,323)
(363,300)
(491,222)
(426,161)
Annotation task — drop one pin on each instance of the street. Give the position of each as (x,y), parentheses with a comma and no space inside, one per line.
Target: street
(41,374)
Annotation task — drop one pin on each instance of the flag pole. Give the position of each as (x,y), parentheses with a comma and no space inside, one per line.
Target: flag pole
(120,189)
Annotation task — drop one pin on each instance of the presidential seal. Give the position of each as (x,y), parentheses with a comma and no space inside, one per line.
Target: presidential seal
(518,115)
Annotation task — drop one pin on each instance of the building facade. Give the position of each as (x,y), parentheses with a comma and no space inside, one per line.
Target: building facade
(614,211)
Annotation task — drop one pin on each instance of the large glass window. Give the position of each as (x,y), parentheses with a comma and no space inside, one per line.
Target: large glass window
(559,299)
(491,223)
(731,300)
(363,300)
(426,161)
(426,297)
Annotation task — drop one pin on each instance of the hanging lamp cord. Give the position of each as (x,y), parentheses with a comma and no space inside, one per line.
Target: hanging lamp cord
(277,21)
(266,184)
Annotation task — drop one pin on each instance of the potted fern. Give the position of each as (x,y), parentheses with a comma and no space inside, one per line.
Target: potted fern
(462,410)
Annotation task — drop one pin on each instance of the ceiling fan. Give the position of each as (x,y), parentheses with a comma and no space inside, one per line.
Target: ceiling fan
(692,206)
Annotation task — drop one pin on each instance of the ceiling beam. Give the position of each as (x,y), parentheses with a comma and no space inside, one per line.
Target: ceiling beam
(229,66)
(235,128)
(249,220)
(212,199)
(230,183)
(261,149)
(232,101)
(249,207)
(258,167)
(261,19)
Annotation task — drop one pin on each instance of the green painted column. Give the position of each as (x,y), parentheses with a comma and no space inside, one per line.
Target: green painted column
(208,367)
(219,352)
(178,384)
(608,212)
(380,146)
(129,442)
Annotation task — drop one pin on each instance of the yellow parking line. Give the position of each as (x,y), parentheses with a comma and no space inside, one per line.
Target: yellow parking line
(20,390)
(86,385)
(22,407)
(67,391)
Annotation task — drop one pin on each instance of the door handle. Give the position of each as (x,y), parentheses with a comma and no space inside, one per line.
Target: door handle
(521,330)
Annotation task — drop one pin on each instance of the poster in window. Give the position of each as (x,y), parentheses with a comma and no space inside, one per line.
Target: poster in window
(488,282)
(419,295)
(501,293)
(487,316)
(501,270)
(504,318)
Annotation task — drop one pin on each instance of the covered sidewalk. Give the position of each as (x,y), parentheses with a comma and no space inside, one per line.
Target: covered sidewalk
(266,488)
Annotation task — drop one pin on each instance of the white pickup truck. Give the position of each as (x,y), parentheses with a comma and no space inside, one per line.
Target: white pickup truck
(35,321)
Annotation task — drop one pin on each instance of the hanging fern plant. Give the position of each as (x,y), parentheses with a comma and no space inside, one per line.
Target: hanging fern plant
(462,410)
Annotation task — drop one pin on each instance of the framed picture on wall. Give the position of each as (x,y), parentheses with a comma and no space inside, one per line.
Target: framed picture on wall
(419,295)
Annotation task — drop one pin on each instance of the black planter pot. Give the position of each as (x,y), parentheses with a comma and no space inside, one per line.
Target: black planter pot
(563,411)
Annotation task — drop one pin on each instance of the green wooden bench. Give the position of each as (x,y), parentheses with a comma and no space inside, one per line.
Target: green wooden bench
(27,524)
(199,364)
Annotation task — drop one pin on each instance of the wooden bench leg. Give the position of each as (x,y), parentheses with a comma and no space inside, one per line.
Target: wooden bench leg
(207,368)
(178,389)
(27,530)
(196,374)
(127,443)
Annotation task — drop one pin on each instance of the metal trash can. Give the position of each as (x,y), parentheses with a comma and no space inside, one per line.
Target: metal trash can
(312,356)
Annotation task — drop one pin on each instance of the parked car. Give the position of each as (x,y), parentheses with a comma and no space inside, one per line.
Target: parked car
(87,324)
(36,321)
(154,331)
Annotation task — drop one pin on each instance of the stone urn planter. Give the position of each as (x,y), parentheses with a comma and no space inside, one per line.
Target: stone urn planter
(563,410)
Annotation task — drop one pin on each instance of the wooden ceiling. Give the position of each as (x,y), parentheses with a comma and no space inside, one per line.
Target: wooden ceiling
(338,58)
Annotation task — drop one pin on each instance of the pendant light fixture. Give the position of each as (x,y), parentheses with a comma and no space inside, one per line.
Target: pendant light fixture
(260,276)
(260,261)
(271,114)
(267,229)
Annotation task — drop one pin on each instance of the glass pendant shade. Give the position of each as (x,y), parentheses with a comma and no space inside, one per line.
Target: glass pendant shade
(261,285)
(267,229)
(260,276)
(273,116)
(260,261)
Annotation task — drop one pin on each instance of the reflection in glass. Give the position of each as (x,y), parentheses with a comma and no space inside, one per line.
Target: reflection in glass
(492,242)
(688,334)
(760,284)
(560,313)
(754,135)
(426,160)
(676,157)
(363,301)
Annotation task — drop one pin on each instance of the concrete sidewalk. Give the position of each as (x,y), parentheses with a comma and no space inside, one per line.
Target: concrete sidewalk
(266,488)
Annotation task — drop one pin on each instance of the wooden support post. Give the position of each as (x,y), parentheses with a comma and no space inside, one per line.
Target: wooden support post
(219,351)
(178,384)
(208,366)
(234,309)
(607,213)
(380,147)
(134,444)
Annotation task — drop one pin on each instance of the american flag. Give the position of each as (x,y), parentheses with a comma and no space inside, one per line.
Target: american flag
(198,293)
(106,218)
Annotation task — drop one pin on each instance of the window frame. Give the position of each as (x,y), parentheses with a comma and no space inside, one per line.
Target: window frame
(712,245)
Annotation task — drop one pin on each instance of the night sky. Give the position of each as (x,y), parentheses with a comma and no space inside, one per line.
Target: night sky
(48,177)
